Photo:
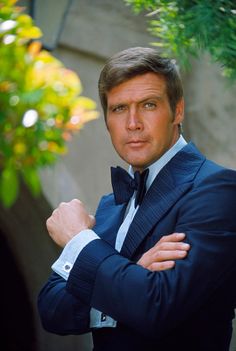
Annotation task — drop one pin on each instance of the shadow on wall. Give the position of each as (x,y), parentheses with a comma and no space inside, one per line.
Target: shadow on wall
(26,254)
(17,327)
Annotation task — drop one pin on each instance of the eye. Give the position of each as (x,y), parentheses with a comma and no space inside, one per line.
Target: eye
(150,105)
(118,108)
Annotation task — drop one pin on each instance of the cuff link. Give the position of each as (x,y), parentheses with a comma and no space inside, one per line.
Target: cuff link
(103,317)
(67,267)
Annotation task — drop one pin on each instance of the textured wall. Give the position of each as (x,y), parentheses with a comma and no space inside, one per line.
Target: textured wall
(210,112)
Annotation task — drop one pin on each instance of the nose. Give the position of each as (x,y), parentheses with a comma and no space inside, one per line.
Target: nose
(134,120)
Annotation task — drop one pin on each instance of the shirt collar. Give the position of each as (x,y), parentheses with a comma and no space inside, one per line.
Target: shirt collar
(156,167)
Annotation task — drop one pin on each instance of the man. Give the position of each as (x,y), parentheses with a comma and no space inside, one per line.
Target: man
(109,279)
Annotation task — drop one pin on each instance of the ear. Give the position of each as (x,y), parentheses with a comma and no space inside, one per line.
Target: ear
(179,112)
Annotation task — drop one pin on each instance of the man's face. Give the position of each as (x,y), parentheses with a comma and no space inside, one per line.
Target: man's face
(140,121)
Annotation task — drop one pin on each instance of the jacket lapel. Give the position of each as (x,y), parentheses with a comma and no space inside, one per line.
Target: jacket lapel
(109,217)
(174,180)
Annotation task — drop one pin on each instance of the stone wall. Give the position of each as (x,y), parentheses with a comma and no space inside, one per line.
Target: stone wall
(210,112)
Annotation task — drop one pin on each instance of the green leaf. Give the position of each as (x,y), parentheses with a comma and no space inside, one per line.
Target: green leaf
(9,185)
(31,78)
(32,97)
(32,180)
(188,28)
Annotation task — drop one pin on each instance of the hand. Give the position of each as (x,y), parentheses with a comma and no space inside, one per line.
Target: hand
(162,256)
(68,220)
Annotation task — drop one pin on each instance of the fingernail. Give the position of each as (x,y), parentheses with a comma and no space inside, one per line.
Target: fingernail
(180,235)
(182,253)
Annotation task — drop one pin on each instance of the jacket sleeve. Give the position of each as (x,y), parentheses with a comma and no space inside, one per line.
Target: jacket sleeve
(154,302)
(61,312)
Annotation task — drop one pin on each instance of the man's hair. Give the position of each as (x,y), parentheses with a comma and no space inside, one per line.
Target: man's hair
(136,61)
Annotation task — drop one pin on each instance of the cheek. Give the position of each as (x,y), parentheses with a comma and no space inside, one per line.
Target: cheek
(111,124)
(115,130)
(162,126)
(116,138)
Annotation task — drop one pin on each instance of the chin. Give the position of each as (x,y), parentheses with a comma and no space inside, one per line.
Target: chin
(138,166)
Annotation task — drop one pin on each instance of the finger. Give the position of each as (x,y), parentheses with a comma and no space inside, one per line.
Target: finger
(161,266)
(62,204)
(92,220)
(169,255)
(54,212)
(160,256)
(76,201)
(173,237)
(171,246)
(48,223)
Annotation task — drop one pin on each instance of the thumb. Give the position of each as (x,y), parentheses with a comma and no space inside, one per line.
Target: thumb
(92,221)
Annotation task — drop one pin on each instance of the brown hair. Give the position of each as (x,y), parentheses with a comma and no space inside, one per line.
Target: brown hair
(137,61)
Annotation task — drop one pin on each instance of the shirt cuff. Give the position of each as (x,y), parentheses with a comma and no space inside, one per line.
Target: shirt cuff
(65,262)
(101,320)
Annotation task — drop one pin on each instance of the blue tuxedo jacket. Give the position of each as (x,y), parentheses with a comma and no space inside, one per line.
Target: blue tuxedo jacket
(189,307)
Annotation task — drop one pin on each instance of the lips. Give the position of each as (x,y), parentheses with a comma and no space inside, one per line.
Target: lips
(136,142)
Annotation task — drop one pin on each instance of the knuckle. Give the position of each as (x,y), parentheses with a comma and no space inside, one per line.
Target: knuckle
(151,267)
(162,246)
(62,204)
(54,212)
(76,201)
(164,238)
(156,267)
(161,265)
(158,255)
(48,223)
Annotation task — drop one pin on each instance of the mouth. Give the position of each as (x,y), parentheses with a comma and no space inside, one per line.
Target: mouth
(136,143)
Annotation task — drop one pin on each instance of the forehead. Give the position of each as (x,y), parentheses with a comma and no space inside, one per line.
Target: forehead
(138,87)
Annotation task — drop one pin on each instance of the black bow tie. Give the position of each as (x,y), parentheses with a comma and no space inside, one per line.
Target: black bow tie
(124,185)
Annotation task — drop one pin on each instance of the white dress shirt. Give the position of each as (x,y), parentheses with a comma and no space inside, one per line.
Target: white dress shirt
(73,248)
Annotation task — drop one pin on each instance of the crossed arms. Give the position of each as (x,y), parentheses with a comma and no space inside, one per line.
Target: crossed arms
(164,298)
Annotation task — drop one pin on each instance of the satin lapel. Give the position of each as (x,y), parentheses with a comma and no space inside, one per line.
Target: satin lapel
(174,180)
(108,219)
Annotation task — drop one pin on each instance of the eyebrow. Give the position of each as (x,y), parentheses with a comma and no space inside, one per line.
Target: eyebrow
(149,97)
(111,107)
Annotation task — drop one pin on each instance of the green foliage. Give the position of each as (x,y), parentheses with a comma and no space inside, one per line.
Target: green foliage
(40,104)
(186,28)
